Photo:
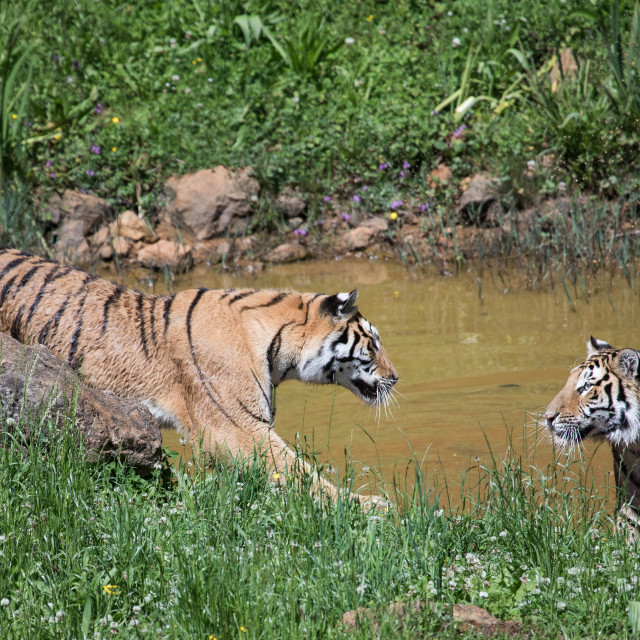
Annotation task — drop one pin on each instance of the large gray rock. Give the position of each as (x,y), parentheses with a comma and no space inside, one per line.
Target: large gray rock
(212,202)
(34,384)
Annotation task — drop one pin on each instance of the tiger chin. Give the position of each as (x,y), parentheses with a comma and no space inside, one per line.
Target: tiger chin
(206,361)
(601,400)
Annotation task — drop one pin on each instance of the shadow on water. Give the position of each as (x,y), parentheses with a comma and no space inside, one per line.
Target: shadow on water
(478,361)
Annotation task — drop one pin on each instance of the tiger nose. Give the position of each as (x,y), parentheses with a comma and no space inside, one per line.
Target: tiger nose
(550,418)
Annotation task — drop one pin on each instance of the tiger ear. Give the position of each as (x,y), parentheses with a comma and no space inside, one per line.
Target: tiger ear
(595,346)
(628,362)
(341,305)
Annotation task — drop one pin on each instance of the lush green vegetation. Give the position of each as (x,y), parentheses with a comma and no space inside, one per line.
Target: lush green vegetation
(329,96)
(95,551)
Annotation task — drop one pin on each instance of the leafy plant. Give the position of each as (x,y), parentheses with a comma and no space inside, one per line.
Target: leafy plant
(15,78)
(306,50)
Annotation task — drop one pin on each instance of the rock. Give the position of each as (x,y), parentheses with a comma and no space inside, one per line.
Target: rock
(128,225)
(376,224)
(121,246)
(290,204)
(468,618)
(212,202)
(74,205)
(71,245)
(100,237)
(365,234)
(481,192)
(164,253)
(295,223)
(439,177)
(565,67)
(288,252)
(36,386)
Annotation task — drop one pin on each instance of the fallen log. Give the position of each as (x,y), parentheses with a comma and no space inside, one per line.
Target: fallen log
(35,385)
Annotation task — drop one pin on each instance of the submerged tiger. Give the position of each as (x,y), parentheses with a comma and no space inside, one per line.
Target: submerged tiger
(601,399)
(205,360)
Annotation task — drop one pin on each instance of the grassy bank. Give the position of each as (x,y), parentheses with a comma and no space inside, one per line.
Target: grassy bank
(342,100)
(96,552)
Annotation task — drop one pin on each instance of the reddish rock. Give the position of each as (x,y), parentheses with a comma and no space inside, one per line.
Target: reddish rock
(128,225)
(212,202)
(121,246)
(439,177)
(164,253)
(288,252)
(365,234)
(563,69)
(74,205)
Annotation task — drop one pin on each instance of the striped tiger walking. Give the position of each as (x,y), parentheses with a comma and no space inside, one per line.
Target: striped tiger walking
(206,361)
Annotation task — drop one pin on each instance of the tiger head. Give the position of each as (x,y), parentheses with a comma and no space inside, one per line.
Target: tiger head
(600,399)
(342,347)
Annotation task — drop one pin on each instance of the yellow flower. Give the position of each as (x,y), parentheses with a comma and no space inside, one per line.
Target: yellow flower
(370,18)
(114,149)
(212,638)
(393,215)
(57,136)
(276,476)
(15,116)
(111,589)
(115,119)
(193,62)
(243,630)
(199,59)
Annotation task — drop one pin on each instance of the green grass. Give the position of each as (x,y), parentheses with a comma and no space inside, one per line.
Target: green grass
(319,95)
(199,555)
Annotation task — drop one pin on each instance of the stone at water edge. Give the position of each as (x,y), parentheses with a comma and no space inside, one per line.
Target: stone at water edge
(32,378)
(164,253)
(129,225)
(287,252)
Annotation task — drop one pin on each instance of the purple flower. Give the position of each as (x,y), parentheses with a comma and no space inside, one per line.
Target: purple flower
(383,166)
(300,232)
(364,189)
(95,149)
(435,113)
(75,64)
(406,165)
(459,131)
(396,203)
(48,163)
(52,176)
(423,207)
(402,174)
(346,216)
(98,108)
(356,198)
(327,198)
(90,173)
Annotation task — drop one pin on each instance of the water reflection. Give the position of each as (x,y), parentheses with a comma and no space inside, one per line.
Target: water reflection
(471,367)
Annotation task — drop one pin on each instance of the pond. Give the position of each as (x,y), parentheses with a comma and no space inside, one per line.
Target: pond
(478,358)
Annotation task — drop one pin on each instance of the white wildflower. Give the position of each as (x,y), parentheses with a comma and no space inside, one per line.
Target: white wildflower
(456,42)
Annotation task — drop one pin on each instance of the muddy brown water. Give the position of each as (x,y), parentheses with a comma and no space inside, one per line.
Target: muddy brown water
(475,363)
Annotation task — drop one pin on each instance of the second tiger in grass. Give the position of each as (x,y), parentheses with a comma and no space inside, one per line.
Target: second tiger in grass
(206,361)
